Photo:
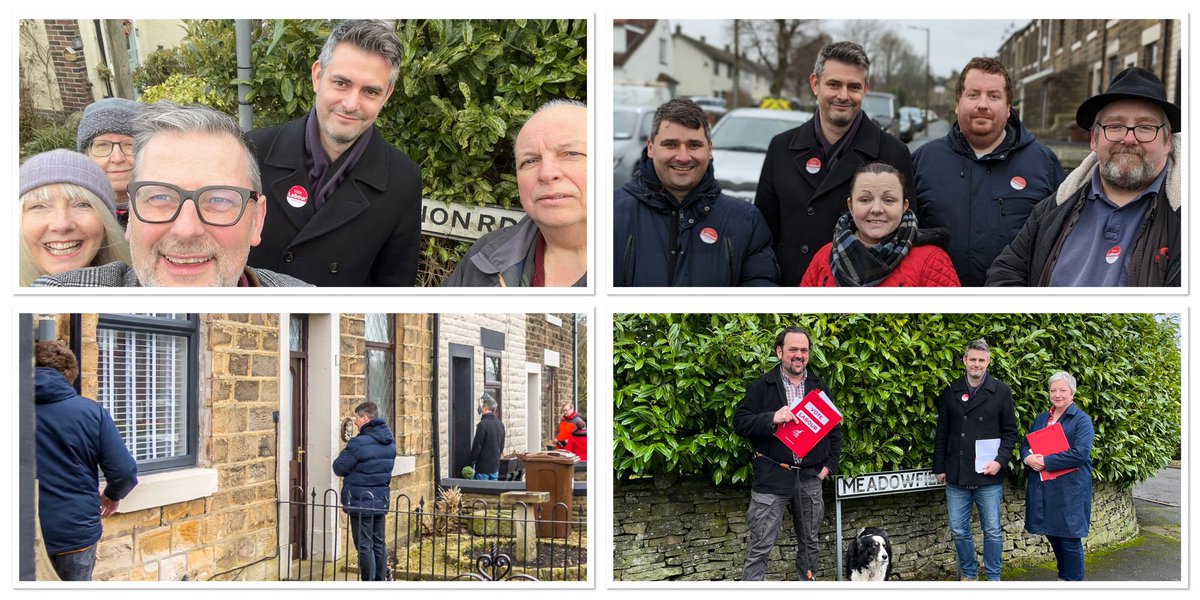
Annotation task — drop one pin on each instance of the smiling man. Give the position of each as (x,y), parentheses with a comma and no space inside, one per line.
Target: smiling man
(1115,221)
(547,248)
(672,226)
(1000,172)
(345,204)
(196,208)
(806,174)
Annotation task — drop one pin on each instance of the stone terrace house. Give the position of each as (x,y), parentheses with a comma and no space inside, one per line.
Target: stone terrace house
(230,416)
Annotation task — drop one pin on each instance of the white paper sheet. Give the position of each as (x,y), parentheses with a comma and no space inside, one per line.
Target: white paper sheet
(985,452)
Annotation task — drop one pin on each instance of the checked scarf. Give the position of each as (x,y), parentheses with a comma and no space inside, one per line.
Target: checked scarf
(855,265)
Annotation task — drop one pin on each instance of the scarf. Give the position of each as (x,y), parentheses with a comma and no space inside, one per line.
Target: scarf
(325,177)
(855,265)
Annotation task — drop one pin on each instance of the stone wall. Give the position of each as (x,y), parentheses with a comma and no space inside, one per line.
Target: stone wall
(542,335)
(232,533)
(695,530)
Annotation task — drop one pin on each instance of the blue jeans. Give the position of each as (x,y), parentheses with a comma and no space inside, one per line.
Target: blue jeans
(488,476)
(1069,554)
(75,566)
(958,503)
(367,530)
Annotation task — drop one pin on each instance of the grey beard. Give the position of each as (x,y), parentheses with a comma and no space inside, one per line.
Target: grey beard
(1132,179)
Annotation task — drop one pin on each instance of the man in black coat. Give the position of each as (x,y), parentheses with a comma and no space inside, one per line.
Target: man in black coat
(975,415)
(782,479)
(489,441)
(346,204)
(806,175)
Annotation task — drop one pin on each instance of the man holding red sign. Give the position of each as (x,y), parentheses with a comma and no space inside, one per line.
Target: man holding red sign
(781,478)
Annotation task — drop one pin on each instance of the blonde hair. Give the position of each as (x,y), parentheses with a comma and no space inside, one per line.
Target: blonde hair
(113,248)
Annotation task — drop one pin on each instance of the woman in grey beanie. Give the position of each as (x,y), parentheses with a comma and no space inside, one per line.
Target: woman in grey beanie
(105,135)
(67,216)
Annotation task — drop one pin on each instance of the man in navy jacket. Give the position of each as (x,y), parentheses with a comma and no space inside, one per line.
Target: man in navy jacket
(75,436)
(366,464)
(672,226)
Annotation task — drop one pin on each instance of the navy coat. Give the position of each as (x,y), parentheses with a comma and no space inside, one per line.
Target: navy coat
(366,464)
(75,435)
(983,201)
(988,415)
(368,233)
(1062,507)
(715,240)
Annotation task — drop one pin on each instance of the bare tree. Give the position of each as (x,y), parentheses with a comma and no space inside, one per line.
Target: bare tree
(774,43)
(865,33)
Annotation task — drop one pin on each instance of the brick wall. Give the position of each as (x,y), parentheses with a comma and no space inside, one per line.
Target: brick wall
(695,530)
(73,85)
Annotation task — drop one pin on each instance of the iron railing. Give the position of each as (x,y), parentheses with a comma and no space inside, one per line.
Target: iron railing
(432,541)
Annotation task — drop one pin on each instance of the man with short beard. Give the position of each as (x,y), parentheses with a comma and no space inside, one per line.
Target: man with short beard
(984,177)
(807,172)
(197,208)
(1115,220)
(345,203)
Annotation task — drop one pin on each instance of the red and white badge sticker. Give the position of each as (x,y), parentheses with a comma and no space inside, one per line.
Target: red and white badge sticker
(965,397)
(1018,183)
(1114,254)
(708,235)
(813,165)
(297,197)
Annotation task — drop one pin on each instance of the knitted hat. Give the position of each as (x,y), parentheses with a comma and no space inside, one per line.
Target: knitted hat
(65,166)
(110,115)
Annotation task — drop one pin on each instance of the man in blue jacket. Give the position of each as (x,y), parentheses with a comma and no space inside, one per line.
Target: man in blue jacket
(75,436)
(366,464)
(672,226)
(983,179)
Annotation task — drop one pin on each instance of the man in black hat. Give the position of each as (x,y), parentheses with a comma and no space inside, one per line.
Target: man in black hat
(1115,220)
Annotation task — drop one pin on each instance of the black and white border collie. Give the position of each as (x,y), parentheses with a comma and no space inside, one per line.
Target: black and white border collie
(869,557)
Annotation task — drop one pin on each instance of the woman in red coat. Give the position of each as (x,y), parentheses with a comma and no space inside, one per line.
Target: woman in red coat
(877,243)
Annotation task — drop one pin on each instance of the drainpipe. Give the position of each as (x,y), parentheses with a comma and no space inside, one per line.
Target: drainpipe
(433,384)
(574,359)
(103,57)
(241,28)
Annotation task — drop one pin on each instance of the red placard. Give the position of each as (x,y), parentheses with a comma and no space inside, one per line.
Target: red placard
(1050,440)
(818,416)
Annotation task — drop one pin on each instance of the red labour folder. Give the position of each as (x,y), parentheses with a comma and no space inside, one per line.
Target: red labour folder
(1050,440)
(818,416)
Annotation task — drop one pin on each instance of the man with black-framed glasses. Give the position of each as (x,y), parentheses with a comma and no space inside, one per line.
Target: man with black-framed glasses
(1115,220)
(196,211)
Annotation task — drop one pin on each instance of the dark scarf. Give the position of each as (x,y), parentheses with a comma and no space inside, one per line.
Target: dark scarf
(322,175)
(855,265)
(833,151)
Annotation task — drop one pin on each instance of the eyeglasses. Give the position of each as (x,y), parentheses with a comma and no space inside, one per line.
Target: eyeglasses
(217,205)
(1141,133)
(102,148)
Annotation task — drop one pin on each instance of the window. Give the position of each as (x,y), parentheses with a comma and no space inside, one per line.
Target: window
(551,407)
(147,376)
(662,51)
(491,378)
(381,365)
(1150,56)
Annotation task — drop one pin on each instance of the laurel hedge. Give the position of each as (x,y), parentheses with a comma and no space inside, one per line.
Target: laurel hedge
(678,378)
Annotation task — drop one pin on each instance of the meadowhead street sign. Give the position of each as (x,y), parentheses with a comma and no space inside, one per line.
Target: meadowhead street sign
(462,222)
(891,482)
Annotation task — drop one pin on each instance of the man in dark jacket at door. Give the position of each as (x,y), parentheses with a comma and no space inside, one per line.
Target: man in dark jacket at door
(75,437)
(345,204)
(366,464)
(976,408)
(782,479)
(983,178)
(672,226)
(489,441)
(806,175)
(1115,221)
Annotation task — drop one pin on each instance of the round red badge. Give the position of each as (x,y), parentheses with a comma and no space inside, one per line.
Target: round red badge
(1018,183)
(708,235)
(965,397)
(297,197)
(813,165)
(1114,254)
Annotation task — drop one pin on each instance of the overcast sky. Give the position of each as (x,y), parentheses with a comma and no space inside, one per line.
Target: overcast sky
(952,42)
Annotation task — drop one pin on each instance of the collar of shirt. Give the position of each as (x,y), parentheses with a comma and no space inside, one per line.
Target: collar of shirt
(793,391)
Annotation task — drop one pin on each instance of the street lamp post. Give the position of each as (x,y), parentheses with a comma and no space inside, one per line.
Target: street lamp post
(928,83)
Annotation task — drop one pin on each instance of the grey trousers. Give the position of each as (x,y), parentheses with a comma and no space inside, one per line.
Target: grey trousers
(764,518)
